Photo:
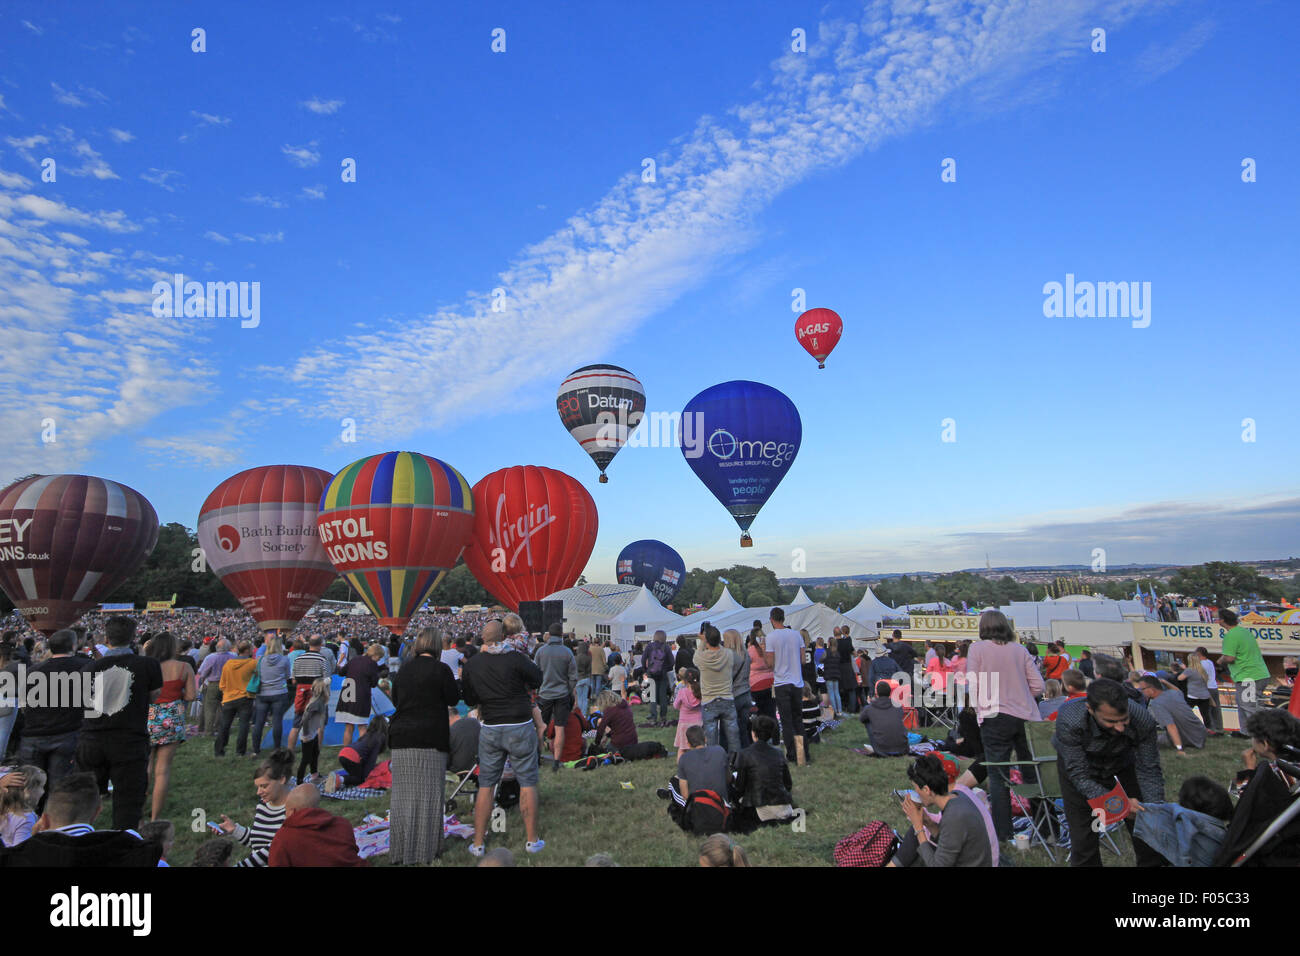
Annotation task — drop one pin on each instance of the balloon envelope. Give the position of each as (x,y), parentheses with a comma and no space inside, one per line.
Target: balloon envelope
(393,524)
(66,541)
(601,405)
(752,434)
(819,331)
(653,564)
(534,529)
(258,533)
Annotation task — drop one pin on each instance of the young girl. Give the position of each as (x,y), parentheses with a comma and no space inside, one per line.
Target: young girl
(360,758)
(618,677)
(687,702)
(313,723)
(811,719)
(18,806)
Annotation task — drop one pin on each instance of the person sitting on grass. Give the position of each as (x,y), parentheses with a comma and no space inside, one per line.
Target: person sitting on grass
(574,743)
(1175,718)
(883,719)
(215,852)
(963,834)
(720,850)
(359,759)
(311,836)
(1190,832)
(616,723)
(761,792)
(702,767)
(272,781)
(1053,698)
(162,832)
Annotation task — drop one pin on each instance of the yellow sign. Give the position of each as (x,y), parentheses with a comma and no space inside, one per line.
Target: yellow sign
(160,605)
(1188,635)
(967,625)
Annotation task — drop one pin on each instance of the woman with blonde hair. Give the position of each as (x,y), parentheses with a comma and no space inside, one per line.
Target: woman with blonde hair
(720,850)
(272,694)
(733,642)
(1197,687)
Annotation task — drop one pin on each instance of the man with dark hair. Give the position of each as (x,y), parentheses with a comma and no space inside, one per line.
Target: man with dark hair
(1100,739)
(961,838)
(307,668)
(903,655)
(657,662)
(559,679)
(65,835)
(1246,666)
(1112,669)
(114,744)
(784,654)
(884,723)
(716,665)
(51,726)
(1170,710)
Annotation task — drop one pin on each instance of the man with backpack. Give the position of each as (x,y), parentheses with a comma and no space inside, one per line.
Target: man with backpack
(701,773)
(657,661)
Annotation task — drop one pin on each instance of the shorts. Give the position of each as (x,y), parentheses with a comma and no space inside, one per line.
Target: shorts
(166,723)
(557,710)
(496,742)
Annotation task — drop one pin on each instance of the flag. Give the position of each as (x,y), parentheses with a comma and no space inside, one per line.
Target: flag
(1113,805)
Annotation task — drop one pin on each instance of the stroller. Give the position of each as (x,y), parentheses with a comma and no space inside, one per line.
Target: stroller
(1278,843)
(465,786)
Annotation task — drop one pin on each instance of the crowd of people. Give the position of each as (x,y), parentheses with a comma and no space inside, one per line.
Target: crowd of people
(498,704)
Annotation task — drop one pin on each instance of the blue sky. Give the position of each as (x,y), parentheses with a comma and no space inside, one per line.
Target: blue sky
(776,170)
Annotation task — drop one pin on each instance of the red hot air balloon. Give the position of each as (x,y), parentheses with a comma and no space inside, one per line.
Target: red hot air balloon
(66,541)
(534,529)
(258,534)
(393,524)
(818,331)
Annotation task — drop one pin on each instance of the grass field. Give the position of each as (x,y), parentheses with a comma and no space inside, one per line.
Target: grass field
(586,812)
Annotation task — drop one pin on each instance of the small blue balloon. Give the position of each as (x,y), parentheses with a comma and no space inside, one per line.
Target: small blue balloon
(747,435)
(653,564)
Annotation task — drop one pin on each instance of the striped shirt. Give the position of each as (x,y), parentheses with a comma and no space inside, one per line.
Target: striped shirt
(266,822)
(310,666)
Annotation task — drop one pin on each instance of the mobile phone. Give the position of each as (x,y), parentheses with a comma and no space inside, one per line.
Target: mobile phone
(908,795)
(216,829)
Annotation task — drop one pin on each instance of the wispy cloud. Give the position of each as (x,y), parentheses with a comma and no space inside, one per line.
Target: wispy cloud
(33,27)
(79,98)
(303,156)
(313,192)
(216,237)
(161,178)
(257,199)
(643,245)
(323,107)
(120,135)
(13,180)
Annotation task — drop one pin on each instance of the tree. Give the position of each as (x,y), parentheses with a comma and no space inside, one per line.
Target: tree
(1224,582)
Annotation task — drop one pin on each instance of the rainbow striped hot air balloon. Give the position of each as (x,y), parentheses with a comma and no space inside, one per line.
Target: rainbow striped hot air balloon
(393,524)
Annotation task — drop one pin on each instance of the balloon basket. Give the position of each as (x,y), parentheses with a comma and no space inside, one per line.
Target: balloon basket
(821,364)
(746,541)
(604,479)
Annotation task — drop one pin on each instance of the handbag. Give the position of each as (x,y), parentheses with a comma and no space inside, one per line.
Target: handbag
(255,682)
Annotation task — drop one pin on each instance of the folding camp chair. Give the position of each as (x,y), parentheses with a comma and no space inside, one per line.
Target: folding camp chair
(1039,733)
(1044,790)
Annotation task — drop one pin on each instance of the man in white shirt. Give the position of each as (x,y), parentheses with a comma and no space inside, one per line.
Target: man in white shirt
(452,657)
(784,654)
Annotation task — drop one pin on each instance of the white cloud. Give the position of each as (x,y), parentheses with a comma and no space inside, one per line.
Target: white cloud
(161,178)
(94,164)
(120,135)
(303,156)
(48,210)
(271,236)
(210,119)
(270,202)
(13,180)
(643,245)
(28,142)
(216,237)
(68,98)
(323,107)
(33,27)
(313,192)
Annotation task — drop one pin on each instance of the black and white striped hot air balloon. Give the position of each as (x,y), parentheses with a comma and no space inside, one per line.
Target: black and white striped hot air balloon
(601,405)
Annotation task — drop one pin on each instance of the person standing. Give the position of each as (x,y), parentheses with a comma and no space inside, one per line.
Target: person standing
(740,683)
(167,714)
(716,665)
(498,681)
(114,744)
(784,655)
(1100,739)
(559,679)
(236,700)
(657,661)
(1007,682)
(582,691)
(307,668)
(1246,665)
(848,682)
(1194,678)
(599,669)
(50,732)
(273,695)
(209,680)
(359,679)
(419,733)
(760,674)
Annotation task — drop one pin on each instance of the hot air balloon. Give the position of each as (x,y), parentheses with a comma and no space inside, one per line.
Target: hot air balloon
(653,564)
(818,331)
(393,524)
(601,405)
(534,529)
(258,533)
(66,541)
(751,435)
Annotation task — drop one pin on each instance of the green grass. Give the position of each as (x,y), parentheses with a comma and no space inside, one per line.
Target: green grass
(586,812)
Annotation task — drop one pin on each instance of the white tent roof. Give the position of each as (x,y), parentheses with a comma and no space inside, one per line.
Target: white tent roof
(1041,614)
(596,600)
(870,611)
(644,609)
(801,598)
(724,603)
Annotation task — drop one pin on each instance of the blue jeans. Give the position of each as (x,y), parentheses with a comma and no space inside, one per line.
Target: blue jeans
(275,706)
(56,754)
(583,692)
(660,705)
(720,720)
(833,692)
(743,703)
(597,685)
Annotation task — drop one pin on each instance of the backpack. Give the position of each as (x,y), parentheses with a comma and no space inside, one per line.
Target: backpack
(705,813)
(873,845)
(656,659)
(644,750)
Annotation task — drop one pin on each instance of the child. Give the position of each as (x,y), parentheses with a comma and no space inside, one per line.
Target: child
(18,806)
(358,759)
(687,703)
(161,832)
(313,723)
(812,718)
(618,677)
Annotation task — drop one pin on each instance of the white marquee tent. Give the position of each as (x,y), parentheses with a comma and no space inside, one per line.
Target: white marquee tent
(870,611)
(622,613)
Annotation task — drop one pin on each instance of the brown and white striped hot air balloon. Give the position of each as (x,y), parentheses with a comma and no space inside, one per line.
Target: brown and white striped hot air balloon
(66,541)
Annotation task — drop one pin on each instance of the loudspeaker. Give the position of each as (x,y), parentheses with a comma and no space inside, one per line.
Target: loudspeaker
(552,613)
(531,612)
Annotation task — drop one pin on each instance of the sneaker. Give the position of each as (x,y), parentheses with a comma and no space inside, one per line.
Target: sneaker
(537,847)
(477,850)
(663,793)
(1238,734)
(555,766)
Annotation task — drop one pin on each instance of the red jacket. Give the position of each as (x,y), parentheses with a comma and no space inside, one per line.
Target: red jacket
(315,837)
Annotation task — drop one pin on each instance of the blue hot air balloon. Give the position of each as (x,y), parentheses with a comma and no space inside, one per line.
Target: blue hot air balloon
(746,437)
(653,564)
